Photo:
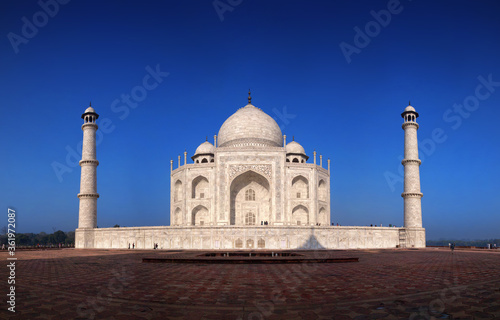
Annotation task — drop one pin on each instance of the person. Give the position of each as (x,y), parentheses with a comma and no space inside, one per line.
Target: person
(452,247)
(133,245)
(129,245)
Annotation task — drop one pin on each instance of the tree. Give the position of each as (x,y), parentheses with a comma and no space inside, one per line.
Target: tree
(23,239)
(3,235)
(70,237)
(41,238)
(59,236)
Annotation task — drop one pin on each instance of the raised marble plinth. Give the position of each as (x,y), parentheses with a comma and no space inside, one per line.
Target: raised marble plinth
(251,238)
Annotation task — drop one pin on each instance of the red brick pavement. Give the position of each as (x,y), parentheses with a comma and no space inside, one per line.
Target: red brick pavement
(389,284)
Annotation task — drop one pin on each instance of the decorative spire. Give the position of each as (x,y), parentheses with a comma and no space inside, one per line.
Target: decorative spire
(206,138)
(409,103)
(90,104)
(249,97)
(293,138)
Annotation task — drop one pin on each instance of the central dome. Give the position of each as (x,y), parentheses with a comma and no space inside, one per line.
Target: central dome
(250,126)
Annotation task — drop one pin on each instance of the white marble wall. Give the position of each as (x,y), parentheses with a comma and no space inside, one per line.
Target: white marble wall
(284,237)
(232,162)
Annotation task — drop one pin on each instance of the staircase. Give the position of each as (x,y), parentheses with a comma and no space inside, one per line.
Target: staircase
(402,238)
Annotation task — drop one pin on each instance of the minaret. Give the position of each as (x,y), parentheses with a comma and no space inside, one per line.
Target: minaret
(412,195)
(88,184)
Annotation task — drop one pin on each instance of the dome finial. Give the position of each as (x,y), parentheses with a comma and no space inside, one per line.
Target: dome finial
(293,138)
(206,138)
(249,97)
(90,104)
(409,103)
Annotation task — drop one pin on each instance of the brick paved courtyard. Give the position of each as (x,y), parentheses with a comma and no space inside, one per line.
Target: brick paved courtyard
(389,284)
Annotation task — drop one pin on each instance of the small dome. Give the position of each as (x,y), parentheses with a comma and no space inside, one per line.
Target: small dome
(410,108)
(294,147)
(89,109)
(205,148)
(250,124)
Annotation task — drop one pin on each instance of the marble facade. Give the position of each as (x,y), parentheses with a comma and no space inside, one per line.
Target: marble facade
(252,190)
(257,237)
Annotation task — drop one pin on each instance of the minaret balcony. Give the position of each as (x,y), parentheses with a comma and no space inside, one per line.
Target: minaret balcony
(88,195)
(405,161)
(412,195)
(89,124)
(409,124)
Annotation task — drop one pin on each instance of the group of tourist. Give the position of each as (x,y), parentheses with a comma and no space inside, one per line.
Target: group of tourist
(452,247)
(489,246)
(155,246)
(390,225)
(264,223)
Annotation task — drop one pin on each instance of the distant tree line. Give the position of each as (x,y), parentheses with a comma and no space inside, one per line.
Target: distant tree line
(42,238)
(464,243)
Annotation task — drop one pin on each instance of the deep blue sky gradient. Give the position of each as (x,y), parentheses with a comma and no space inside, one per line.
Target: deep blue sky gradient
(288,53)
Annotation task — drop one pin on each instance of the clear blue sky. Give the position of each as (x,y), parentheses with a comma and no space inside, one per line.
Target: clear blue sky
(290,53)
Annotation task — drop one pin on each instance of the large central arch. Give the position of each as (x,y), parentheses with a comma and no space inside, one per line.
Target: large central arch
(249,195)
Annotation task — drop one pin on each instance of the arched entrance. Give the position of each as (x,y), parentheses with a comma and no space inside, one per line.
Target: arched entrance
(300,215)
(250,199)
(199,216)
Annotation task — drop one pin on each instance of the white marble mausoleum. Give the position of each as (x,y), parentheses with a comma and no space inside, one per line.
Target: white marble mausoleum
(250,190)
(250,177)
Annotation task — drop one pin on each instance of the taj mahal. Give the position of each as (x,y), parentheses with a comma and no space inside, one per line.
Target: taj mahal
(250,189)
